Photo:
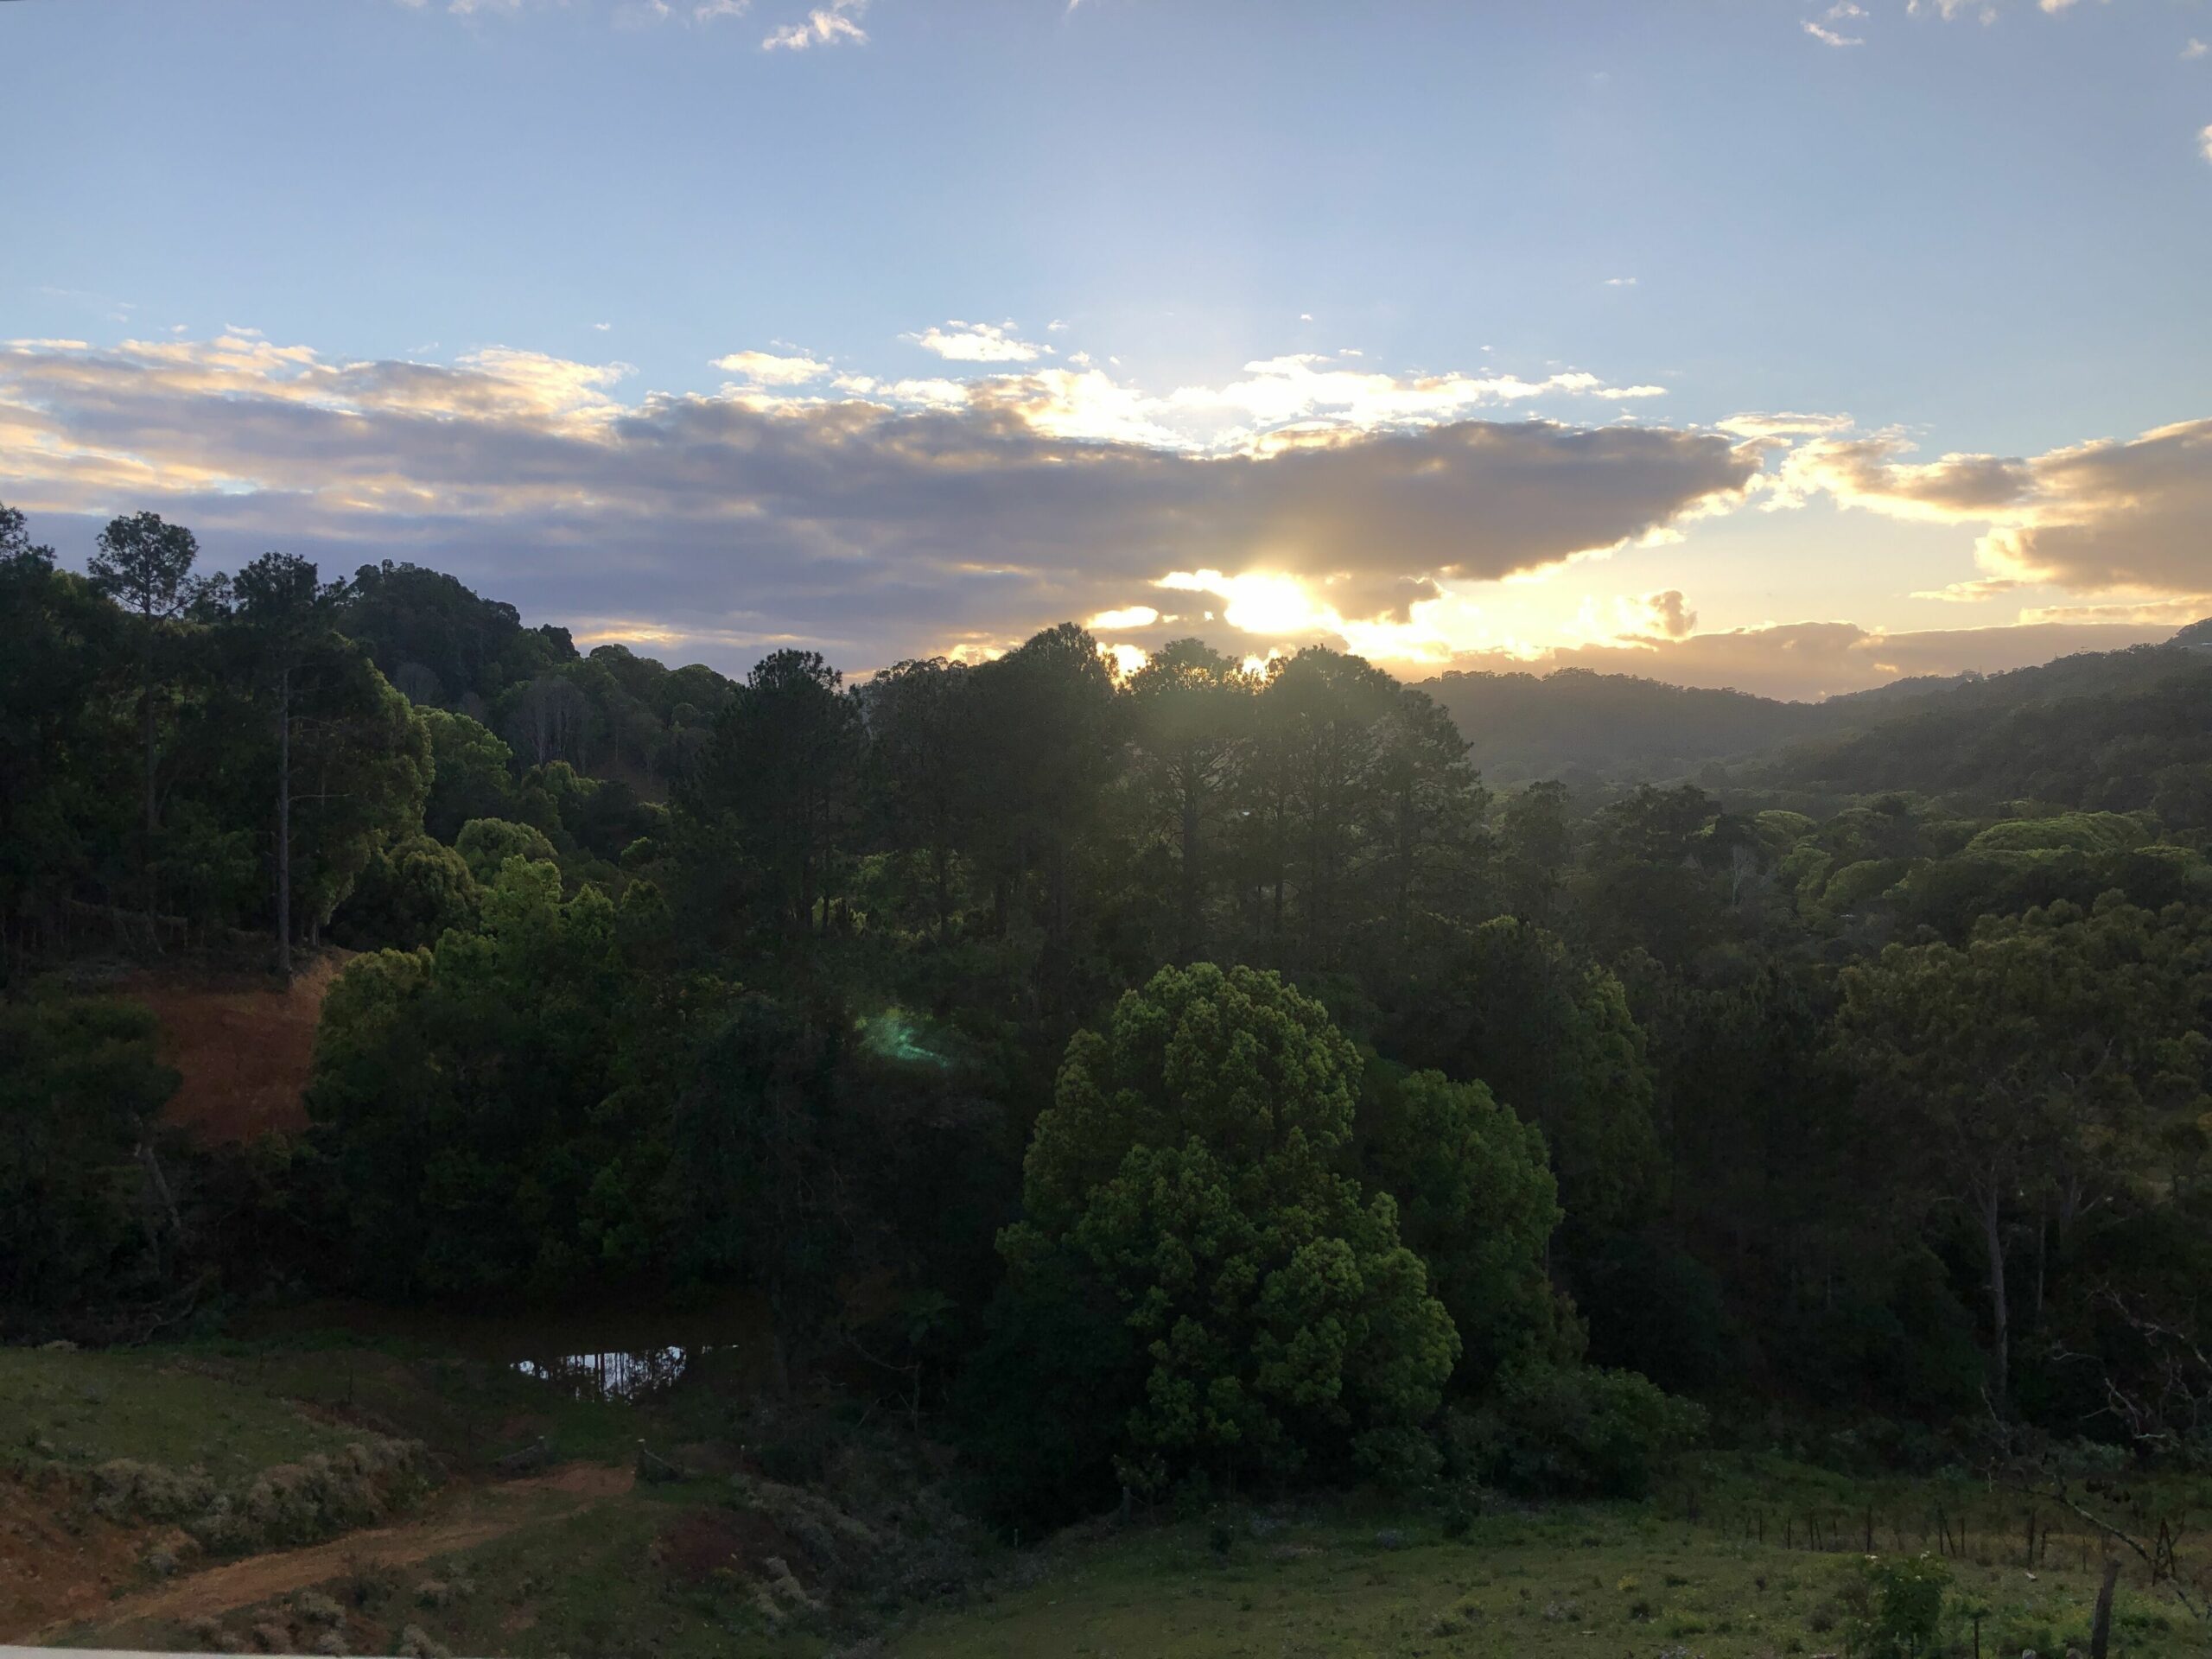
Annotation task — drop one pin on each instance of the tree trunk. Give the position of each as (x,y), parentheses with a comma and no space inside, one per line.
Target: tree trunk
(1190,942)
(2000,1333)
(146,729)
(284,825)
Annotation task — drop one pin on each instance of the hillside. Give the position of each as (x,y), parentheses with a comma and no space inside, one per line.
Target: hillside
(1589,730)
(2116,731)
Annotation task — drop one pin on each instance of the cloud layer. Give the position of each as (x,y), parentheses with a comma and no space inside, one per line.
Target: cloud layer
(1302,499)
(874,519)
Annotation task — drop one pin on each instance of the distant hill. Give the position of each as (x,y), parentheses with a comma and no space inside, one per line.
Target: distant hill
(2019,733)
(1580,726)
(2112,731)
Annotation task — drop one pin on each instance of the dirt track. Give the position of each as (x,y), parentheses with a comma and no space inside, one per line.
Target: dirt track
(474,1517)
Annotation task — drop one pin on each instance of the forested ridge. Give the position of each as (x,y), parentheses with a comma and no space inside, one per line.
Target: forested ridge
(1174,1079)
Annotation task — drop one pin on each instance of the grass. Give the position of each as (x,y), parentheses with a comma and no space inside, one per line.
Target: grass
(1575,1580)
(1715,1564)
(81,1409)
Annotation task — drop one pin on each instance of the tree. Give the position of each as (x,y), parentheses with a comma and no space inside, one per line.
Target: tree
(285,610)
(760,1177)
(60,772)
(1047,728)
(474,775)
(2017,1064)
(919,761)
(1553,1038)
(1186,1173)
(1431,807)
(81,1083)
(468,1100)
(145,566)
(1323,713)
(487,844)
(1191,710)
(783,766)
(1477,1203)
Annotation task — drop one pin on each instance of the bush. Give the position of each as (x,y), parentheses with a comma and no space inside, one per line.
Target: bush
(1582,1431)
(1899,1605)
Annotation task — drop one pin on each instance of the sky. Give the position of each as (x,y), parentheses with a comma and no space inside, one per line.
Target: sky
(1787,345)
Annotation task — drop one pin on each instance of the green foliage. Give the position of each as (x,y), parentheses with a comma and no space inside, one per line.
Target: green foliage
(2079,832)
(1575,1430)
(472,775)
(81,1083)
(461,1095)
(408,895)
(1184,1173)
(1478,1204)
(1553,1038)
(487,844)
(1902,1601)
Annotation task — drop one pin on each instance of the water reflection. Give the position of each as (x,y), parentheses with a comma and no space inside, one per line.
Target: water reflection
(621,1375)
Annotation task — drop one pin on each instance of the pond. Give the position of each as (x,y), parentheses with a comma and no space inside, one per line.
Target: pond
(619,1352)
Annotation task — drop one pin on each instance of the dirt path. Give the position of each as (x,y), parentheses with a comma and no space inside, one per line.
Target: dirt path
(475,1516)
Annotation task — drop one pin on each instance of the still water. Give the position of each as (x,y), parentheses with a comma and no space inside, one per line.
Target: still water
(603,1353)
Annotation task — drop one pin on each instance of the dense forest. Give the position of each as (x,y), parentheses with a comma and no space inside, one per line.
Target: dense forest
(1172,1080)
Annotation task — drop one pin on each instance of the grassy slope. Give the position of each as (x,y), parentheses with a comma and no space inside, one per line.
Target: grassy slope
(79,1409)
(643,1573)
(1584,1581)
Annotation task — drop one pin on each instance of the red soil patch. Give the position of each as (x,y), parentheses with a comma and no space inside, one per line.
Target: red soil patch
(244,1048)
(699,1543)
(53,1567)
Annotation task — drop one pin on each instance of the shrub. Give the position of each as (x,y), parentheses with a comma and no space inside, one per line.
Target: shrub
(1580,1431)
(1900,1606)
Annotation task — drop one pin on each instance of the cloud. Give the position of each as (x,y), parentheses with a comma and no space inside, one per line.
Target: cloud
(1670,615)
(976,342)
(2194,50)
(834,24)
(770,369)
(1128,616)
(850,513)
(2204,142)
(1620,282)
(1971,592)
(1784,425)
(2093,517)
(1843,11)
(2156,612)
(1981,11)
(707,11)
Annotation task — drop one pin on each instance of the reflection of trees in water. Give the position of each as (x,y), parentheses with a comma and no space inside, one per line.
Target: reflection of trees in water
(620,1375)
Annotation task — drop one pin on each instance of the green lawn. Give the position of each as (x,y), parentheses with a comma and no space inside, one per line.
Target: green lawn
(81,1409)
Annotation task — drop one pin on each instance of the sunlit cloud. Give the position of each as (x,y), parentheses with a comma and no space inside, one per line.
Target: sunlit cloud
(881,516)
(976,342)
(1128,616)
(772,369)
(1971,592)
(2092,516)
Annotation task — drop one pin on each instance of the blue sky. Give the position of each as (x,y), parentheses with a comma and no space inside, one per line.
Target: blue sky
(1985,236)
